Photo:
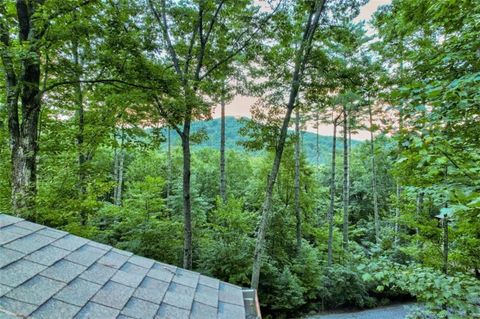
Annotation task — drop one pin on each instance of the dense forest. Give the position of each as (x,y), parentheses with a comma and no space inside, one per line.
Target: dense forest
(106,131)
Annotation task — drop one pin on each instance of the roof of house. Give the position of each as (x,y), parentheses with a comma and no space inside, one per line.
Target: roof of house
(47,273)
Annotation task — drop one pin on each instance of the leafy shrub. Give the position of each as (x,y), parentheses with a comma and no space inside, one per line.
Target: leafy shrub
(442,296)
(280,290)
(342,286)
(227,247)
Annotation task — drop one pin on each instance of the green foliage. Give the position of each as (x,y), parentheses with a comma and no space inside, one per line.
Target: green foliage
(441,296)
(343,286)
(227,243)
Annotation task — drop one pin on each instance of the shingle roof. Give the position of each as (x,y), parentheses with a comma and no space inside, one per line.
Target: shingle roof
(47,273)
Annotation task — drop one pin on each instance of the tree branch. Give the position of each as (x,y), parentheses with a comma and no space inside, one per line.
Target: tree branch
(165,116)
(162,21)
(111,81)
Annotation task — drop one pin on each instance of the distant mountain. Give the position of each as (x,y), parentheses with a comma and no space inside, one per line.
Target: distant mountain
(232,137)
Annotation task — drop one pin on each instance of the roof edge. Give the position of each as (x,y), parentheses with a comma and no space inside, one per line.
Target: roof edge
(252,304)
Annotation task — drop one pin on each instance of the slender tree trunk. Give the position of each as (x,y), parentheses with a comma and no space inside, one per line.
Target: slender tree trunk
(419,210)
(169,165)
(298,215)
(346,178)
(376,214)
(119,162)
(445,244)
(331,208)
(187,208)
(397,215)
(223,180)
(300,61)
(80,115)
(115,171)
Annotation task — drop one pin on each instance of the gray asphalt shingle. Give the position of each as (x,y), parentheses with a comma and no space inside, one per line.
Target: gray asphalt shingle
(113,295)
(113,259)
(78,292)
(36,291)
(4,289)
(48,255)
(140,309)
(86,255)
(179,296)
(16,307)
(200,311)
(50,274)
(98,273)
(152,290)
(8,220)
(70,242)
(206,295)
(29,243)
(230,294)
(55,309)
(64,271)
(18,272)
(171,312)
(7,256)
(49,232)
(94,310)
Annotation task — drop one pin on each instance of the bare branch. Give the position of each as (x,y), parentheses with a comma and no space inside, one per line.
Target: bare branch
(162,21)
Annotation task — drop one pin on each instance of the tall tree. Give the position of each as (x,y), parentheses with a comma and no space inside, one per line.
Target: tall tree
(198,48)
(376,214)
(298,213)
(331,207)
(301,57)
(23,86)
(223,179)
(346,176)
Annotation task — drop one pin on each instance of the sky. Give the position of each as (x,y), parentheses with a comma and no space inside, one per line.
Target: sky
(240,105)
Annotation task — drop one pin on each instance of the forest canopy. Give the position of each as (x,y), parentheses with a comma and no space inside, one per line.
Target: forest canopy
(106,131)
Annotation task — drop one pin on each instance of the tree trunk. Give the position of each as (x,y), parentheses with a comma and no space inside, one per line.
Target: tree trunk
(119,163)
(169,165)
(419,210)
(81,158)
(223,181)
(187,205)
(300,60)
(374,179)
(445,244)
(346,177)
(24,134)
(397,215)
(331,208)
(297,183)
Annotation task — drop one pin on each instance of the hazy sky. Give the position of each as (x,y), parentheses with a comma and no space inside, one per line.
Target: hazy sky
(240,106)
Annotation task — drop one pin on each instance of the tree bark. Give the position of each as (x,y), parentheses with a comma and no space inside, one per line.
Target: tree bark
(223,180)
(80,115)
(298,215)
(169,165)
(187,209)
(119,164)
(346,178)
(331,208)
(397,215)
(419,210)
(376,215)
(445,244)
(300,61)
(23,128)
